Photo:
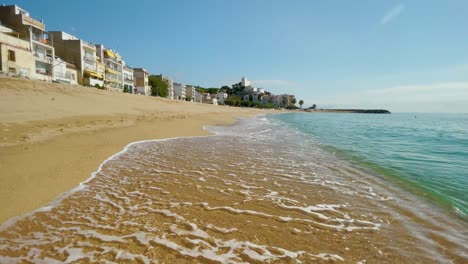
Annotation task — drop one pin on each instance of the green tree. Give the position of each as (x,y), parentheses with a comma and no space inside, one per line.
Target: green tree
(293,101)
(301,102)
(314,106)
(159,87)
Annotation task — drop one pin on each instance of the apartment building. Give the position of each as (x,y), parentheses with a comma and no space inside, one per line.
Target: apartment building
(32,31)
(198,97)
(65,72)
(113,67)
(170,85)
(142,86)
(179,91)
(283,100)
(190,92)
(80,53)
(129,85)
(16,58)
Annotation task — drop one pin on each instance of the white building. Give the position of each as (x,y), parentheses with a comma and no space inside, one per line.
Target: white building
(179,91)
(128,79)
(170,85)
(245,82)
(198,97)
(221,96)
(256,97)
(65,72)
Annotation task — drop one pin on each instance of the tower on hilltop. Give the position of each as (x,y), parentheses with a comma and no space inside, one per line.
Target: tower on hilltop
(245,82)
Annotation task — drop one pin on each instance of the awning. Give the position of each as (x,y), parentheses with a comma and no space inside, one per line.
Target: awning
(113,80)
(93,74)
(110,53)
(112,71)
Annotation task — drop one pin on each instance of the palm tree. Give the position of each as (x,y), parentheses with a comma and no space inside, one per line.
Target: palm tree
(301,102)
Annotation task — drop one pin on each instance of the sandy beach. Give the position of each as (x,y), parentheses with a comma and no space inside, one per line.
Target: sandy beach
(54,136)
(255,192)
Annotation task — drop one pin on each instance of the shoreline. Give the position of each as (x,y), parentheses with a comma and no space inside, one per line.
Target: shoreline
(46,153)
(178,193)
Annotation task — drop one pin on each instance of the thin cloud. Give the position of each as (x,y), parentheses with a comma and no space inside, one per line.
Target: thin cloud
(392,14)
(435,97)
(267,83)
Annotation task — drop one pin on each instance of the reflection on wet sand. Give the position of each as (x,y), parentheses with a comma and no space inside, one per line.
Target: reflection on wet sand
(227,199)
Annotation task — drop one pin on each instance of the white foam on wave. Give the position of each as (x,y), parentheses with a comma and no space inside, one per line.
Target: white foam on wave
(221,229)
(365,225)
(82,186)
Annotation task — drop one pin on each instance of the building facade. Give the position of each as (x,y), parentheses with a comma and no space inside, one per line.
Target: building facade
(170,85)
(16,58)
(33,31)
(245,82)
(113,67)
(140,76)
(198,97)
(65,72)
(190,92)
(80,53)
(129,85)
(179,91)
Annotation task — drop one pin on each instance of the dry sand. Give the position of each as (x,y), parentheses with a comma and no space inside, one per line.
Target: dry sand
(53,136)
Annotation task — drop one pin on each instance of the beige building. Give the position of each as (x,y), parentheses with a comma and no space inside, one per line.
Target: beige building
(142,86)
(80,53)
(32,31)
(190,92)
(114,67)
(16,58)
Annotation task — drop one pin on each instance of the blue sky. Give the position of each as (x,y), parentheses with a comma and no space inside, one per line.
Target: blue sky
(399,55)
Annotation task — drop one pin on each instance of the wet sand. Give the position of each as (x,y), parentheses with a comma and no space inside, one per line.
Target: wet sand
(233,199)
(53,136)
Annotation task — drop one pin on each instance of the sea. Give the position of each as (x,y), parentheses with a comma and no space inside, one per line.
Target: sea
(277,188)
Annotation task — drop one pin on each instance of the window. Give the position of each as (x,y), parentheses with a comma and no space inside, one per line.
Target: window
(11,55)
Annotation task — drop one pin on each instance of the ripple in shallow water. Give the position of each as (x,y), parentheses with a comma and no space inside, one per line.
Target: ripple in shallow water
(230,198)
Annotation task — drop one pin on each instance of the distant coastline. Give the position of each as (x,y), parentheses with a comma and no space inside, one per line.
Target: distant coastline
(354,111)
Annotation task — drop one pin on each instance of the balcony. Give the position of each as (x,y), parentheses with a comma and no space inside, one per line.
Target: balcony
(63,75)
(40,38)
(44,58)
(27,20)
(89,58)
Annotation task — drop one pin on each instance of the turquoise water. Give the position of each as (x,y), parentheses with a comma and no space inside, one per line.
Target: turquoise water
(426,153)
